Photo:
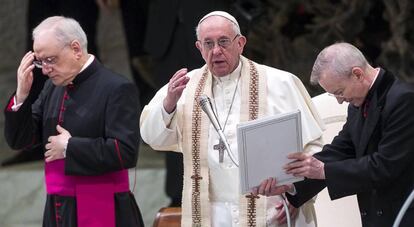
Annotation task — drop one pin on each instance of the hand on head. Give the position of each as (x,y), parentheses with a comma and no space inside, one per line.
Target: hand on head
(25,77)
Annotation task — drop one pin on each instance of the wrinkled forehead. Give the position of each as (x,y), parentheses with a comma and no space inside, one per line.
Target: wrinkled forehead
(215,27)
(46,43)
(330,82)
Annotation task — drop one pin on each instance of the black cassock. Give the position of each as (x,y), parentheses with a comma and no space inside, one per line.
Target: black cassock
(100,109)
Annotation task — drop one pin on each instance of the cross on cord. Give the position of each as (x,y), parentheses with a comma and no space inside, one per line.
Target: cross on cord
(220,147)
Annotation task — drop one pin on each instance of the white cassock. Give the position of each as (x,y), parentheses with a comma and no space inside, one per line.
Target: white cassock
(284,92)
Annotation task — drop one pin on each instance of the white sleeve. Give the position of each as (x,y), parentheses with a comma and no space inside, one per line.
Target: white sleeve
(158,128)
(15,106)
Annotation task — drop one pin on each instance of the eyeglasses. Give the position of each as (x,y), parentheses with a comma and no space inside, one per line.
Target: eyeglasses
(223,43)
(49,61)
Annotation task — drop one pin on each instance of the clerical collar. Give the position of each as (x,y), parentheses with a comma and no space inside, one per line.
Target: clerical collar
(89,68)
(375,77)
(374,84)
(233,76)
(88,62)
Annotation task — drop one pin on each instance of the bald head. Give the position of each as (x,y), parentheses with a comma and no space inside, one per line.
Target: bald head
(64,29)
(337,60)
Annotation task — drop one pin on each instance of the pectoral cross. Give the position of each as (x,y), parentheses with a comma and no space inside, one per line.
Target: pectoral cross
(220,147)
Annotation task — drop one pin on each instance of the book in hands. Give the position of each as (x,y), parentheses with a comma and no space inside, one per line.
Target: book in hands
(263,146)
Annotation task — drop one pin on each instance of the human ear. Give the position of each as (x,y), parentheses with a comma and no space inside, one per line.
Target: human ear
(357,72)
(76,48)
(198,45)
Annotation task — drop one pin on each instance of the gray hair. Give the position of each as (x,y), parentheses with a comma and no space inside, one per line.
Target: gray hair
(65,29)
(225,15)
(337,59)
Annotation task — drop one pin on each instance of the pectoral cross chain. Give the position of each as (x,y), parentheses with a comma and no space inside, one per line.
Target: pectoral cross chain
(220,147)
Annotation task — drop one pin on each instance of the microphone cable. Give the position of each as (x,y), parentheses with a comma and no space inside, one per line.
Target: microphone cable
(285,206)
(403,210)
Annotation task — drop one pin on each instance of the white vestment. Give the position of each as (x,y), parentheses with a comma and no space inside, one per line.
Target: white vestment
(220,201)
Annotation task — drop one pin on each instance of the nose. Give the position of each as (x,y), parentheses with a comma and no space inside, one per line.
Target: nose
(46,69)
(216,49)
(340,100)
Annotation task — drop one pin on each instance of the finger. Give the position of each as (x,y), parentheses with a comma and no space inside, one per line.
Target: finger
(302,171)
(278,190)
(293,165)
(26,66)
(293,212)
(28,70)
(255,191)
(182,81)
(48,146)
(262,187)
(281,213)
(49,159)
(279,205)
(177,75)
(273,183)
(297,155)
(48,153)
(179,78)
(60,129)
(268,186)
(282,220)
(27,60)
(27,57)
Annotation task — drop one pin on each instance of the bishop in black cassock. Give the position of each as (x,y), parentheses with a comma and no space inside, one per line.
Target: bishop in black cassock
(99,111)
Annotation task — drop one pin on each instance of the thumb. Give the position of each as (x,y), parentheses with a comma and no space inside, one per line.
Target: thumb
(60,129)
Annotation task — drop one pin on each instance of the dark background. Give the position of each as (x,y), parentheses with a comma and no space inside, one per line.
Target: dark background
(284,34)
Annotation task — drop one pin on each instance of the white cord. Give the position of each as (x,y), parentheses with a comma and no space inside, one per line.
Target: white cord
(403,209)
(286,210)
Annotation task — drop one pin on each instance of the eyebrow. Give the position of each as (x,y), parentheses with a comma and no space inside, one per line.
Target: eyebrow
(221,37)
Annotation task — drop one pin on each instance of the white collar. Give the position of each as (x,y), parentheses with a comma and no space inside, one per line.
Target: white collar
(88,62)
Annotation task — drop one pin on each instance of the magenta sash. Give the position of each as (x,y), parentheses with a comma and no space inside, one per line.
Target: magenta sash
(95,197)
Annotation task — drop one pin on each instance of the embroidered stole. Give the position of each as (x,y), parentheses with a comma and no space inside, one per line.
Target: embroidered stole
(196,205)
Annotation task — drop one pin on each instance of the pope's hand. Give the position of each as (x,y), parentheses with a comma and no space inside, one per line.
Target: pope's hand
(268,188)
(176,87)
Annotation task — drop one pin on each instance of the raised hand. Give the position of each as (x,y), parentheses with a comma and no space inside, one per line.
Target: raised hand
(24,77)
(176,87)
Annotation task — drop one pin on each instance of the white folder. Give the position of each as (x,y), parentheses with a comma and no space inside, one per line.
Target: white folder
(263,146)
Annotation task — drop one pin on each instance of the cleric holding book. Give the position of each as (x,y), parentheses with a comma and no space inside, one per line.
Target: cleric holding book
(240,90)
(372,156)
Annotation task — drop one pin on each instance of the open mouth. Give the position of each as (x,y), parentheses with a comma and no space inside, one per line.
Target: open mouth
(218,62)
